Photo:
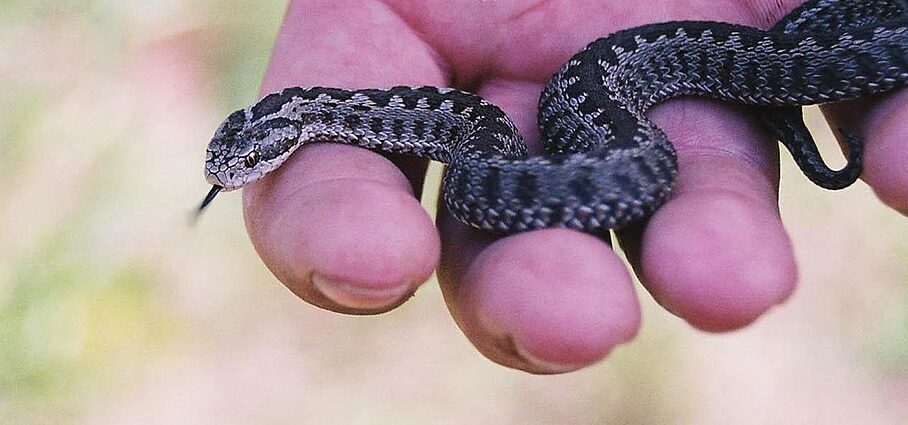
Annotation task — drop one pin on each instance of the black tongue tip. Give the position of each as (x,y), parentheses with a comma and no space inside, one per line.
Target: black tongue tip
(215,189)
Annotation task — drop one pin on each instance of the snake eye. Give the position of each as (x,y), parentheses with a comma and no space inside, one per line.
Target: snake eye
(252,159)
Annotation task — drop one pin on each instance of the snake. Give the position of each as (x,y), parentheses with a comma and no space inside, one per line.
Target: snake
(606,163)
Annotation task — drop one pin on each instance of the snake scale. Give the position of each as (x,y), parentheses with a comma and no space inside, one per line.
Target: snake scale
(607,164)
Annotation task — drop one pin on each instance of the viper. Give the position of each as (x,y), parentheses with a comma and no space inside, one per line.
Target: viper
(607,164)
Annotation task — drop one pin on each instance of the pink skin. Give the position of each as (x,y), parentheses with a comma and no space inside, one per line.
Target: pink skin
(341,227)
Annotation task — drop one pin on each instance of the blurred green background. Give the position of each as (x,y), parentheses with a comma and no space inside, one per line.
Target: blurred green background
(113,310)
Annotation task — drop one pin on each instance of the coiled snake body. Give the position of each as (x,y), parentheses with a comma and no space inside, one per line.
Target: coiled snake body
(607,164)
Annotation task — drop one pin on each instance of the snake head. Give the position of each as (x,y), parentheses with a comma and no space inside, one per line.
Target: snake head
(243,150)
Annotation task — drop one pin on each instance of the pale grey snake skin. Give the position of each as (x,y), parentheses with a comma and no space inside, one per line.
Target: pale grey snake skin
(607,164)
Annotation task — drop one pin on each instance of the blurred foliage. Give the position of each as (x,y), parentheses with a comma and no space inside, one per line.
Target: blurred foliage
(77,313)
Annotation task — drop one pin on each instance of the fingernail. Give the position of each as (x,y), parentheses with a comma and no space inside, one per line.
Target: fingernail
(545,365)
(356,296)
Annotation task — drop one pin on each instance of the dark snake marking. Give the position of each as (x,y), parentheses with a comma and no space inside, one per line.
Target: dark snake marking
(607,164)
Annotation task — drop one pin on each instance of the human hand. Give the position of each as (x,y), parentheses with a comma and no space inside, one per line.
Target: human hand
(341,227)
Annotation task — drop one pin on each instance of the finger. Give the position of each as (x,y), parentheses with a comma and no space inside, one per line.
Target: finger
(340,226)
(716,254)
(883,124)
(546,301)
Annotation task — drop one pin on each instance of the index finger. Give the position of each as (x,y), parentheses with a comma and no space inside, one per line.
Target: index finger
(338,225)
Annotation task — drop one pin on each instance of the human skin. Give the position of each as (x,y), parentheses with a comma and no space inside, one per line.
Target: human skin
(343,229)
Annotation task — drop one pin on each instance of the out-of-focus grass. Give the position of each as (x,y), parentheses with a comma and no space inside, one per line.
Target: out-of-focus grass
(97,162)
(114,310)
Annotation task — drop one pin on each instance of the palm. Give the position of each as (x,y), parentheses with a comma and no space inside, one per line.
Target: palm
(545,301)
